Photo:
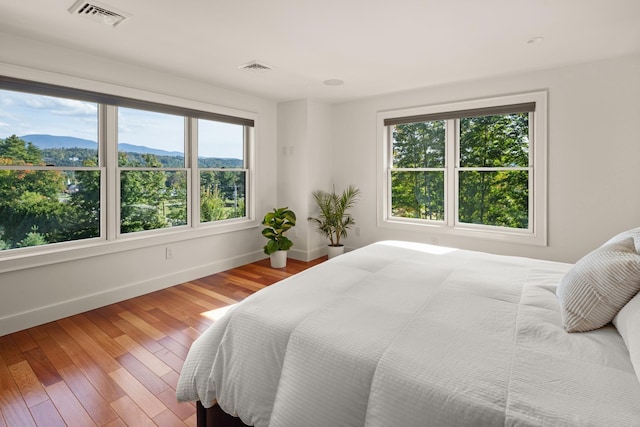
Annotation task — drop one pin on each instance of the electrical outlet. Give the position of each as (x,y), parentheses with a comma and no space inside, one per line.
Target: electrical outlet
(168,253)
(357,230)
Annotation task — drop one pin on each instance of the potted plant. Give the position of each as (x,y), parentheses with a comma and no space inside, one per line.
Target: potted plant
(276,224)
(334,220)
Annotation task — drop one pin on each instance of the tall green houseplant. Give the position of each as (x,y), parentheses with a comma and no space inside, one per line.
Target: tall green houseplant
(334,219)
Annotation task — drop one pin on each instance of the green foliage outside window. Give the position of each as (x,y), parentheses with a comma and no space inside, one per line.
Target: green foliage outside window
(499,198)
(493,180)
(48,206)
(222,195)
(44,206)
(418,193)
(151,199)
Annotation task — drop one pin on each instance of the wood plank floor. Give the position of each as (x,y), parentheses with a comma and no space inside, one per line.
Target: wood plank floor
(119,365)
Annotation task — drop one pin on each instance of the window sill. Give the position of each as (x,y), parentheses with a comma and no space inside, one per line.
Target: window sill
(496,234)
(19,259)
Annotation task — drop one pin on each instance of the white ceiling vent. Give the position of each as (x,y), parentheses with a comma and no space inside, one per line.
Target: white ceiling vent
(98,12)
(256,67)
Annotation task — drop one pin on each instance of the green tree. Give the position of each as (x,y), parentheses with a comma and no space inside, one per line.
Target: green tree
(28,198)
(418,194)
(71,156)
(142,195)
(491,197)
(175,205)
(82,218)
(19,150)
(501,197)
(227,186)
(33,238)
(212,206)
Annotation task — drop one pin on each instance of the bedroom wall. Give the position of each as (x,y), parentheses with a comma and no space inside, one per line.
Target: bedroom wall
(593,152)
(304,165)
(38,294)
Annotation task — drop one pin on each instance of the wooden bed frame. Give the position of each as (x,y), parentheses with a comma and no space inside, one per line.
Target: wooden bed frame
(216,417)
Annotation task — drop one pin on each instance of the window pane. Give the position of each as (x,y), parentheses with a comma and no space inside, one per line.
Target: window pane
(152,199)
(495,141)
(419,145)
(64,131)
(499,198)
(150,139)
(220,145)
(41,207)
(417,195)
(222,195)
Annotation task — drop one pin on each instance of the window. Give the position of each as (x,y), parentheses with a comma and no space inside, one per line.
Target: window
(48,194)
(223,172)
(475,168)
(78,165)
(151,165)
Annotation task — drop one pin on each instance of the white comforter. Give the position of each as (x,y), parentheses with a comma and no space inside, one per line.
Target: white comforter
(405,334)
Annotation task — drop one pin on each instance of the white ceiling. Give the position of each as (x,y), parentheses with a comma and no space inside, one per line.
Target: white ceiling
(375,46)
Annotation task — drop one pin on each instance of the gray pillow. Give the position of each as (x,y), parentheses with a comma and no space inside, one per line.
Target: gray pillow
(599,285)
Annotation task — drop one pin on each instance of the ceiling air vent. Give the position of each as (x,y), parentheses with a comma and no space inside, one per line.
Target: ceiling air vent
(98,12)
(256,67)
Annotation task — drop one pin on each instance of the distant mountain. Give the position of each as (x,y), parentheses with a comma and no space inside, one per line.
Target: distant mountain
(51,141)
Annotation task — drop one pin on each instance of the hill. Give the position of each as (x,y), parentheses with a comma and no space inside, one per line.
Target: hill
(53,141)
(70,151)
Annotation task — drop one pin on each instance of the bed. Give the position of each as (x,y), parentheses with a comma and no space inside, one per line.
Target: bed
(409,334)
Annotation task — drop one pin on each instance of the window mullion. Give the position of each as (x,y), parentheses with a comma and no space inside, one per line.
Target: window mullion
(194,190)
(109,135)
(451,179)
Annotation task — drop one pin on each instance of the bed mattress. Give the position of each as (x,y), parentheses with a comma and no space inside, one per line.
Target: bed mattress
(410,334)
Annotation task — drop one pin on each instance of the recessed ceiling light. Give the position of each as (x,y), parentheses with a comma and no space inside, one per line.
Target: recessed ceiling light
(333,82)
(534,40)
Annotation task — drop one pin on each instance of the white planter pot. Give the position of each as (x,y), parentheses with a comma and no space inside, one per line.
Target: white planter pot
(334,251)
(278,259)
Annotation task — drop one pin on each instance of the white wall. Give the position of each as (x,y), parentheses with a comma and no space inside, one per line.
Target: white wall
(593,154)
(304,165)
(41,293)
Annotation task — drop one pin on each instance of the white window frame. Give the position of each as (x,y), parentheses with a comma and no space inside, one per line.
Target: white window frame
(536,234)
(111,240)
(247,160)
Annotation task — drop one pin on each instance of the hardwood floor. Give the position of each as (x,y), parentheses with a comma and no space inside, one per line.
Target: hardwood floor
(119,365)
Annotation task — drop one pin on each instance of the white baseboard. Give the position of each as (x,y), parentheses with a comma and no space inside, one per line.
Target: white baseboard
(308,255)
(19,321)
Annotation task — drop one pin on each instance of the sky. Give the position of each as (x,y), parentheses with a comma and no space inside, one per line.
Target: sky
(25,114)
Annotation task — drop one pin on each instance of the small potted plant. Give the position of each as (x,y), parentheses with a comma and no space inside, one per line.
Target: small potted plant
(334,220)
(276,224)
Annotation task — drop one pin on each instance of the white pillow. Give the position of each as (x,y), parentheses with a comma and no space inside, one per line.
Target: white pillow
(627,321)
(634,233)
(599,285)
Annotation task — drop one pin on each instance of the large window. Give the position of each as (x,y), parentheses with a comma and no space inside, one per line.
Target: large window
(223,172)
(78,165)
(475,168)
